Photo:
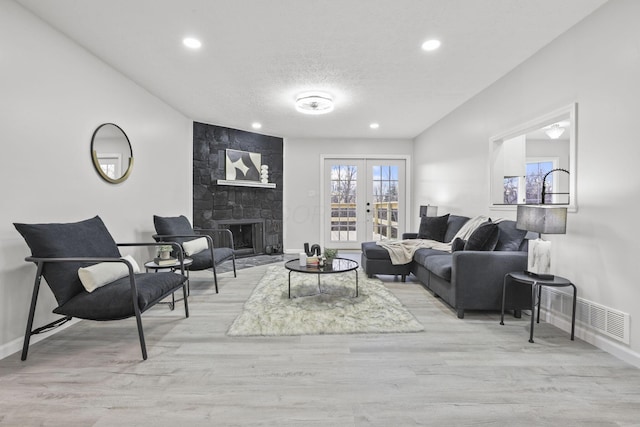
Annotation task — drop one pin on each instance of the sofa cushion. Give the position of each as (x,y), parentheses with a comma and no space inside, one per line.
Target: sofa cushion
(484,238)
(433,227)
(440,265)
(114,301)
(421,255)
(373,251)
(454,225)
(510,238)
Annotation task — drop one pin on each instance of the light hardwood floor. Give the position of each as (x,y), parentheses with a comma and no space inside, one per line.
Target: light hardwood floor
(456,373)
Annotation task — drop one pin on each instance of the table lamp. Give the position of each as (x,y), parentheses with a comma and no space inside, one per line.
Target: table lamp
(541,219)
(428,210)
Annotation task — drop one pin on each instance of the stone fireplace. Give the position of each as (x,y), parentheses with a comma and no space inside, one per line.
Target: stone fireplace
(253,213)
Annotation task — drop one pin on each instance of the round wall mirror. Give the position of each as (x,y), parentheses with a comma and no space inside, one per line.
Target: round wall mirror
(111,153)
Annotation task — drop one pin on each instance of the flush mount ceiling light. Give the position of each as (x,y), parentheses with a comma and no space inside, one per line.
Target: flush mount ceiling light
(374,125)
(191,43)
(554,131)
(256,125)
(430,45)
(314,103)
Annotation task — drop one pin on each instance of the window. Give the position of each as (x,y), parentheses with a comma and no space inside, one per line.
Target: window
(511,190)
(531,186)
(533,181)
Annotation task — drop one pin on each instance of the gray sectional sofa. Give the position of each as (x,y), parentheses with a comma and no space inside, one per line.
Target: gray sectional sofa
(464,279)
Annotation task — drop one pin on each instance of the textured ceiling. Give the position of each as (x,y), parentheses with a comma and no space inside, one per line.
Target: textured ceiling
(257,55)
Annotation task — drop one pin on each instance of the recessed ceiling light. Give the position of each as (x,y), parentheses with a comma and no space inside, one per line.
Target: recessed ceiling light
(430,45)
(374,125)
(192,43)
(256,125)
(314,103)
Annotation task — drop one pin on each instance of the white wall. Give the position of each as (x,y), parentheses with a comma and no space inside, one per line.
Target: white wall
(302,177)
(53,94)
(597,65)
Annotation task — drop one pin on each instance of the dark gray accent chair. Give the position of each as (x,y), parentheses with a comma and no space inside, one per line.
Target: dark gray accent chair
(59,250)
(178,229)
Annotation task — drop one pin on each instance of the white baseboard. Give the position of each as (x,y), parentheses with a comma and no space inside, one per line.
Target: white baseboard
(612,347)
(14,346)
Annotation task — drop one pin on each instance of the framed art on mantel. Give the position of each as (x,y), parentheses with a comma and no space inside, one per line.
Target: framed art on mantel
(242,165)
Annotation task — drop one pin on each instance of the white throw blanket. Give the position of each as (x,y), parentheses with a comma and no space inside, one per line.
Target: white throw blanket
(401,251)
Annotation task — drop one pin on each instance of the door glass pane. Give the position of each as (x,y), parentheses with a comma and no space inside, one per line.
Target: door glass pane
(376,172)
(393,173)
(385,172)
(344,179)
(385,202)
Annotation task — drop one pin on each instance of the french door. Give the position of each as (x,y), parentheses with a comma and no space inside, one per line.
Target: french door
(364,200)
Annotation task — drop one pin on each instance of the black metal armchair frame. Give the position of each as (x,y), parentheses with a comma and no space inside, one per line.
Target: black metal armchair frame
(201,232)
(41,262)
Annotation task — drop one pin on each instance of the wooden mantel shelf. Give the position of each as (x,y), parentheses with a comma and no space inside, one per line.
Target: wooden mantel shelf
(241,183)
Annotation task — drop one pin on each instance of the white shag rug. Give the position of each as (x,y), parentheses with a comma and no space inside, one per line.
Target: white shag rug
(269,311)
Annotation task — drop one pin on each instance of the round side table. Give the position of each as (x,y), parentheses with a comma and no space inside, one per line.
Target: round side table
(152,265)
(174,266)
(536,283)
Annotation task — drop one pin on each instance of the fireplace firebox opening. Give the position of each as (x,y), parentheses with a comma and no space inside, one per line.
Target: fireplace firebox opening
(248,236)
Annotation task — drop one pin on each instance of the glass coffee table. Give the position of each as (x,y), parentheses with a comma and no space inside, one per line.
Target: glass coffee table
(337,265)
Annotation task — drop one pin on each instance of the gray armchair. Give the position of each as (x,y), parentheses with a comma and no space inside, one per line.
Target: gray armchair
(178,229)
(60,250)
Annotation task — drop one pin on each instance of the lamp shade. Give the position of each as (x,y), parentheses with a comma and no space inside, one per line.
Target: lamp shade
(542,219)
(428,210)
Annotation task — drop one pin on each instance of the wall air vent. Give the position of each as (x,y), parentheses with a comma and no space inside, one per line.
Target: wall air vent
(595,317)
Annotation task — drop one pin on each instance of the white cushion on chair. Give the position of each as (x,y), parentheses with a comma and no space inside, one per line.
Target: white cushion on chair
(194,246)
(100,274)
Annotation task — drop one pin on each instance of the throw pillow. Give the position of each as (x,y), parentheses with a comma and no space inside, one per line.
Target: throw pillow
(457,244)
(103,273)
(484,238)
(510,237)
(195,246)
(173,226)
(433,227)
